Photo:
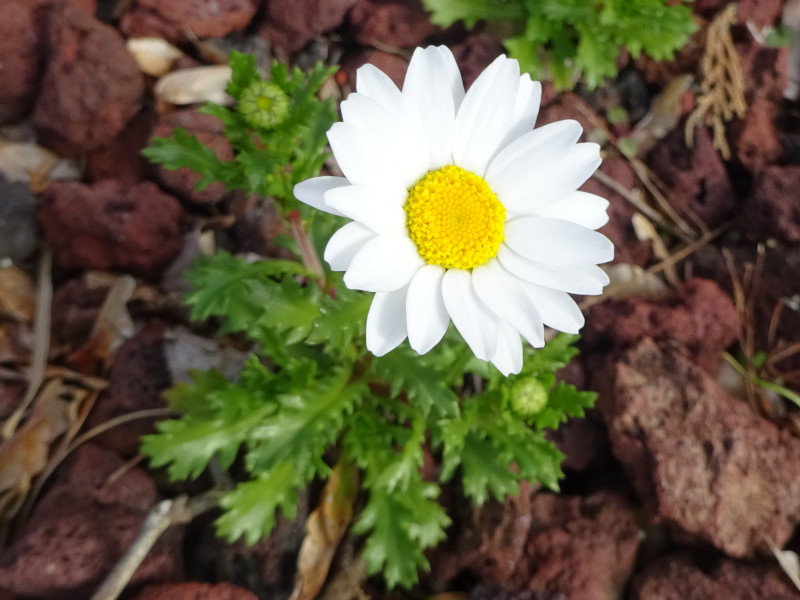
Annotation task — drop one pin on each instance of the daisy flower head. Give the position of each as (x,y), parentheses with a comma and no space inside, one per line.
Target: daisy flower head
(460,210)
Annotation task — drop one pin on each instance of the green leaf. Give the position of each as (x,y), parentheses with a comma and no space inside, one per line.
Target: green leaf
(447,12)
(341,320)
(243,73)
(563,401)
(250,508)
(185,150)
(424,385)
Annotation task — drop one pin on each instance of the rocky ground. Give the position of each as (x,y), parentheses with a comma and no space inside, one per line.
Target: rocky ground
(678,484)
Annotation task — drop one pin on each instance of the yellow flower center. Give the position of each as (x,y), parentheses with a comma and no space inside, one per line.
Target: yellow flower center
(455,219)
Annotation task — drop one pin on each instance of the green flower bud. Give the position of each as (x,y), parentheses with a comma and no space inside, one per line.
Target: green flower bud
(528,396)
(264,105)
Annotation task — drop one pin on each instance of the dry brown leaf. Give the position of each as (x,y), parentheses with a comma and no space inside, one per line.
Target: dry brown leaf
(324,530)
(153,55)
(112,327)
(663,116)
(632,281)
(21,161)
(17,295)
(25,454)
(195,85)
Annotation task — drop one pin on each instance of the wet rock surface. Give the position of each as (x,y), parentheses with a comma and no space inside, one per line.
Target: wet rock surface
(111,226)
(172,20)
(65,550)
(687,446)
(91,85)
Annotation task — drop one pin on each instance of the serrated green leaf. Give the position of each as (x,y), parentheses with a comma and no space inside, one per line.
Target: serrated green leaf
(250,508)
(564,401)
(341,320)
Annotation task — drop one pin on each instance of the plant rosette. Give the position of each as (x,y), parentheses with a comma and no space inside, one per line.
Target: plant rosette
(461,210)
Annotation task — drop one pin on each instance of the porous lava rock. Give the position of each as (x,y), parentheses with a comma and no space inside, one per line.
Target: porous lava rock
(700,321)
(137,379)
(700,459)
(194,591)
(755,138)
(75,310)
(698,182)
(393,65)
(22,30)
(492,591)
(81,528)
(109,225)
(474,54)
(171,20)
(122,159)
(209,131)
(772,210)
(676,577)
(291,24)
(573,547)
(91,86)
(399,23)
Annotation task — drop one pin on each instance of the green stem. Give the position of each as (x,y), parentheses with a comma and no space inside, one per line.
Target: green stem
(767,385)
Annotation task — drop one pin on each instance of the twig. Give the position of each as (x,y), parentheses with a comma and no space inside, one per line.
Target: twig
(41,329)
(165,514)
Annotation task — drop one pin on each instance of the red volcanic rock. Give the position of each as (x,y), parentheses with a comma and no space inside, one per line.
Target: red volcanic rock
(761,13)
(81,528)
(697,178)
(182,182)
(138,377)
(22,29)
(91,86)
(755,138)
(393,65)
(399,23)
(700,459)
(291,24)
(700,321)
(570,546)
(194,591)
(676,577)
(170,20)
(474,54)
(122,159)
(111,226)
(772,211)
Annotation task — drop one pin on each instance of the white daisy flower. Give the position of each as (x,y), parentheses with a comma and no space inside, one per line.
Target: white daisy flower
(461,210)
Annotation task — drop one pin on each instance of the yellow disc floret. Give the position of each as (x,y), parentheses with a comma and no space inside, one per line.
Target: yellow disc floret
(455,219)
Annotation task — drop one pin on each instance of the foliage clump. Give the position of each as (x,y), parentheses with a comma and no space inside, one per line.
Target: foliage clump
(311,394)
(569,38)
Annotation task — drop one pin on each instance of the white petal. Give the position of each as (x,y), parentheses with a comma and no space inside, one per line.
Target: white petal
(557,242)
(398,142)
(345,243)
(312,191)
(379,209)
(484,118)
(576,279)
(578,207)
(384,264)
(558,309)
(526,109)
(503,293)
(454,75)
(476,324)
(508,355)
(570,172)
(386,321)
(361,156)
(376,84)
(518,171)
(428,97)
(426,314)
